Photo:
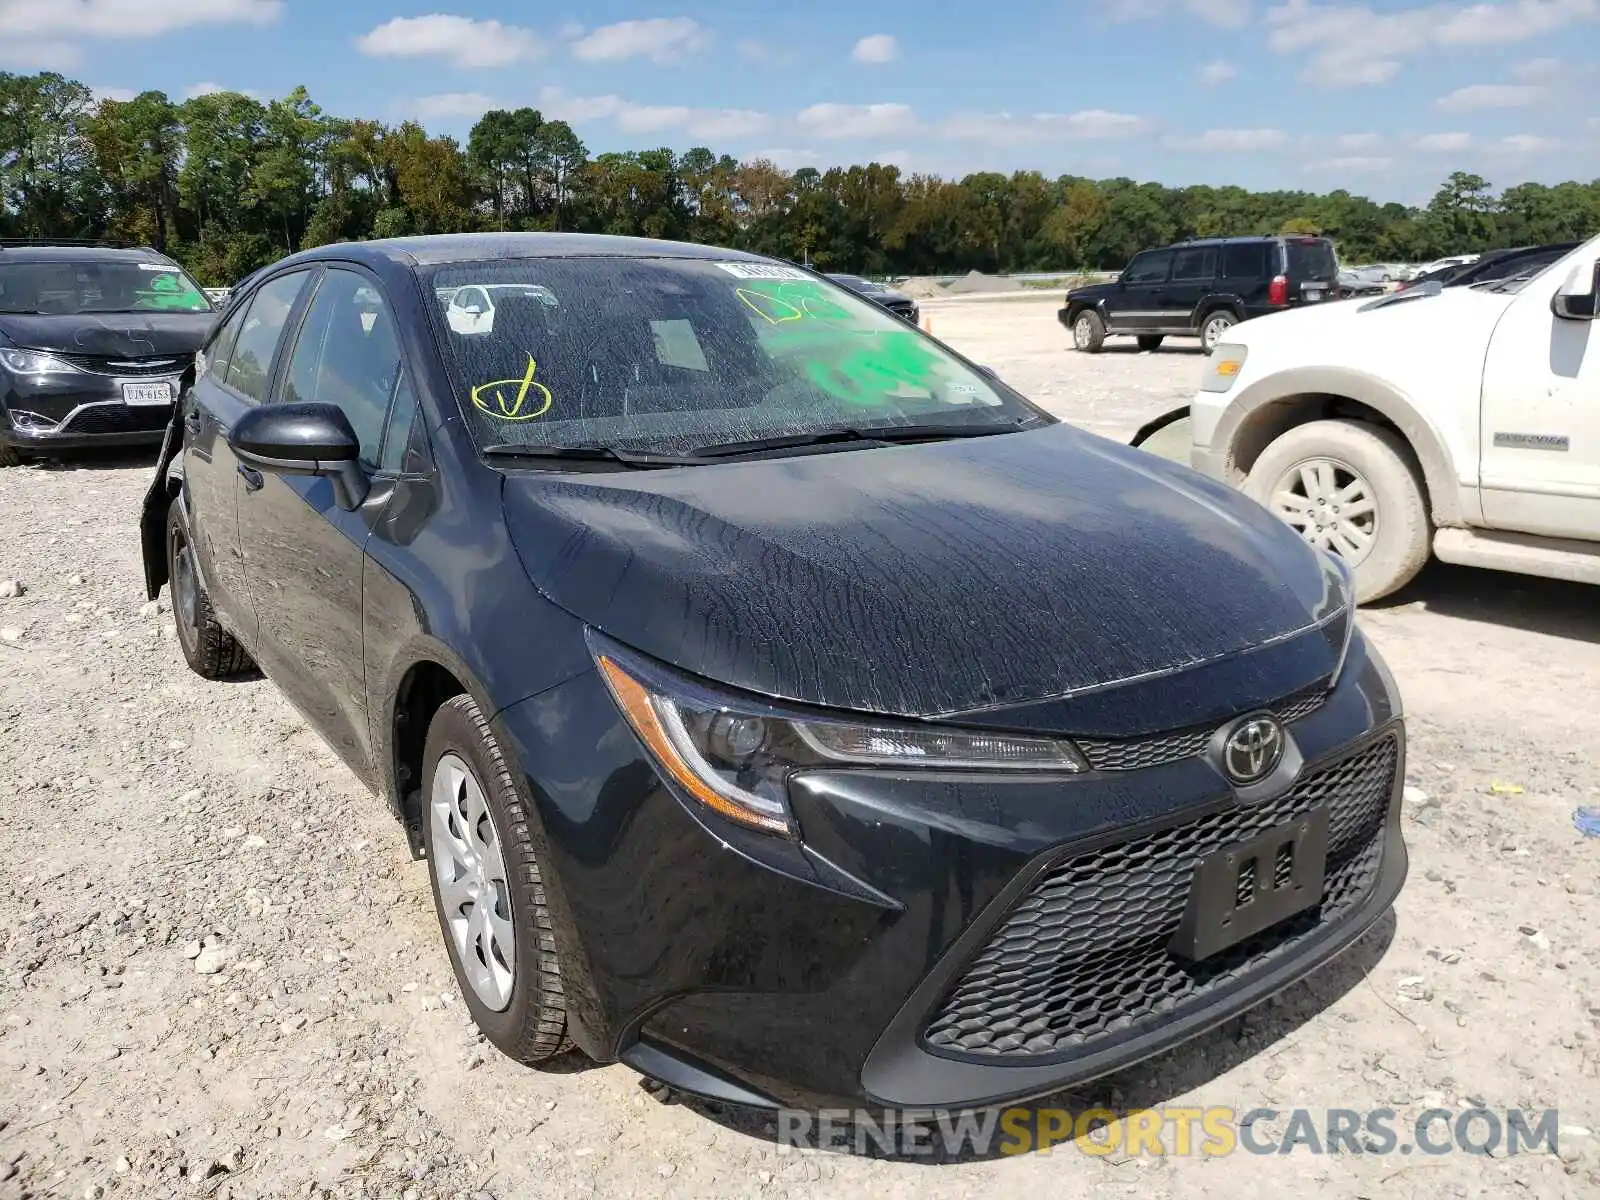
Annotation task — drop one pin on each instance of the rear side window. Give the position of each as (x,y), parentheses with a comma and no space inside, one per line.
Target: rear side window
(250,364)
(1149,267)
(1247,261)
(1195,264)
(1312,258)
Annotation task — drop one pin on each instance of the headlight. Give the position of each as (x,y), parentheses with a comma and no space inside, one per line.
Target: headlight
(736,756)
(1342,596)
(33,362)
(1223,367)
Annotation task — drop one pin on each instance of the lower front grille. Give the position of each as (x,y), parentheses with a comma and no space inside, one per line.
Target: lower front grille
(1083,957)
(119,418)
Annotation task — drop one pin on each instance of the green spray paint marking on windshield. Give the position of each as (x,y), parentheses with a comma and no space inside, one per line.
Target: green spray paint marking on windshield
(839,356)
(167,290)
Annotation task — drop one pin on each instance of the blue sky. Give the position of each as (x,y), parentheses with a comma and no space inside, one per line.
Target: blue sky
(1382,97)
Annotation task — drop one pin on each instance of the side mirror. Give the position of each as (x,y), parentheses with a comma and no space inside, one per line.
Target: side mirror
(984,369)
(303,439)
(1578,299)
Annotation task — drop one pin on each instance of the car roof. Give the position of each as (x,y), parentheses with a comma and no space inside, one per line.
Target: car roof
(1254,239)
(445,249)
(67,252)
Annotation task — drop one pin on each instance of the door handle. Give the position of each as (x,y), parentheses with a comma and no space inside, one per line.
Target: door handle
(252,478)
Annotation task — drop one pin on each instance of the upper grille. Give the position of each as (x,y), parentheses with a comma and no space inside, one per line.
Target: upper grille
(99,364)
(1137,753)
(119,418)
(1083,957)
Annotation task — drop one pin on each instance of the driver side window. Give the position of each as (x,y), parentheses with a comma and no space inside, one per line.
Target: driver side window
(1149,267)
(348,355)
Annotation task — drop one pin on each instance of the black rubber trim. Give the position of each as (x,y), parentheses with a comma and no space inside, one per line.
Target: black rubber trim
(675,1070)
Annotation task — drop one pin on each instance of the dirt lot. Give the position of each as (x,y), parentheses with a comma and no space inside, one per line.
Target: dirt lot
(220,973)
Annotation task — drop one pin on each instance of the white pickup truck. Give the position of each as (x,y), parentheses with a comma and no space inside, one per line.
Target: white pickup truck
(1464,421)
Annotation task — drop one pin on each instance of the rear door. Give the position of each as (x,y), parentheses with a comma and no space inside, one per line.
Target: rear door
(1137,304)
(304,554)
(1193,278)
(235,380)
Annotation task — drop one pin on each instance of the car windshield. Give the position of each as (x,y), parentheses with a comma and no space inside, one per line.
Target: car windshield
(678,355)
(73,286)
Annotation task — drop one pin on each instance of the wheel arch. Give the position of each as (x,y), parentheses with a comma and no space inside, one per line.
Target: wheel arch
(431,677)
(1266,410)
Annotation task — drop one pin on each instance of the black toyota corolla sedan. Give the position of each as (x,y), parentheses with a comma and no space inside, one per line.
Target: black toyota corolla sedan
(96,342)
(783,705)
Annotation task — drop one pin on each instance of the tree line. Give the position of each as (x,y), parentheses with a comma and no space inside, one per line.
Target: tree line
(227,183)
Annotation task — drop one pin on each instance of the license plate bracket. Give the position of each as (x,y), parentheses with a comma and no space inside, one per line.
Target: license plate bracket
(1240,890)
(147,393)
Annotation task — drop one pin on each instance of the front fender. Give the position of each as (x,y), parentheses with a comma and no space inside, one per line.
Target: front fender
(1150,428)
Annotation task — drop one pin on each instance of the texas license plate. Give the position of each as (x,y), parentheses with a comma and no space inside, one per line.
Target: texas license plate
(147,393)
(1241,890)
(1313,293)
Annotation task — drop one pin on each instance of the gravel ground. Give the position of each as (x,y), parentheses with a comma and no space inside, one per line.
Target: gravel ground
(220,974)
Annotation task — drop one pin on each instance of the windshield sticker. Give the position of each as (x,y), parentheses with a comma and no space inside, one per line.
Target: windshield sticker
(157,267)
(491,398)
(740,270)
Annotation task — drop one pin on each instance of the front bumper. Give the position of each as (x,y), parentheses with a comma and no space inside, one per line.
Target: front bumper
(82,410)
(940,941)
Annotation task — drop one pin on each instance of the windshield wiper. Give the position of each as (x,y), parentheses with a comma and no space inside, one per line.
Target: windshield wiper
(613,454)
(885,435)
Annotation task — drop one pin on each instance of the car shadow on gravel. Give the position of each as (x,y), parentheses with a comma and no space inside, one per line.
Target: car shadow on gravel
(1192,350)
(1148,1085)
(1524,602)
(120,459)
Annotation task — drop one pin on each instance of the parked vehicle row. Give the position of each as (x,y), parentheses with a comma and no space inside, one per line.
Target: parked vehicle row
(1458,418)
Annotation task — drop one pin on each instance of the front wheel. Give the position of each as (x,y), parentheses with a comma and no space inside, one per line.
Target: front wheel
(1349,488)
(209,649)
(1088,332)
(489,890)
(1213,328)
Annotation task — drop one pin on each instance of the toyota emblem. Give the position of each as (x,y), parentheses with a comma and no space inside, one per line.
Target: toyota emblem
(1253,750)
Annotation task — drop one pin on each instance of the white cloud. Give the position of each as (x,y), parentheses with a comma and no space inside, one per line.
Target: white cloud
(856,120)
(1526,143)
(1006,128)
(1350,44)
(755,51)
(1226,14)
(449,106)
(1359,141)
(661,39)
(1538,70)
(127,18)
(122,95)
(876,48)
(1232,141)
(1216,72)
(1490,95)
(211,89)
(707,123)
(39,55)
(460,41)
(1444,143)
(789,160)
(1353,163)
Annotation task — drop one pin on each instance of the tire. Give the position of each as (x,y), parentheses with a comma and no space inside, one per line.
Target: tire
(1366,468)
(9,456)
(1088,331)
(1150,341)
(525,1015)
(1213,325)
(209,649)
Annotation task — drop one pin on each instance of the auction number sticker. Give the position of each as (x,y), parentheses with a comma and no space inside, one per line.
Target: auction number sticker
(741,270)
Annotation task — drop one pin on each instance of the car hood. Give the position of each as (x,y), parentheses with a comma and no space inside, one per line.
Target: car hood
(1455,316)
(890,296)
(1092,291)
(110,335)
(954,578)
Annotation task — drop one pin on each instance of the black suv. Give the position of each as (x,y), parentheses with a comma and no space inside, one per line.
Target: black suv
(1200,288)
(900,304)
(96,342)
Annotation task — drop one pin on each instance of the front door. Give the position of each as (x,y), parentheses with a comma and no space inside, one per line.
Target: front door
(1540,447)
(238,366)
(1136,306)
(304,555)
